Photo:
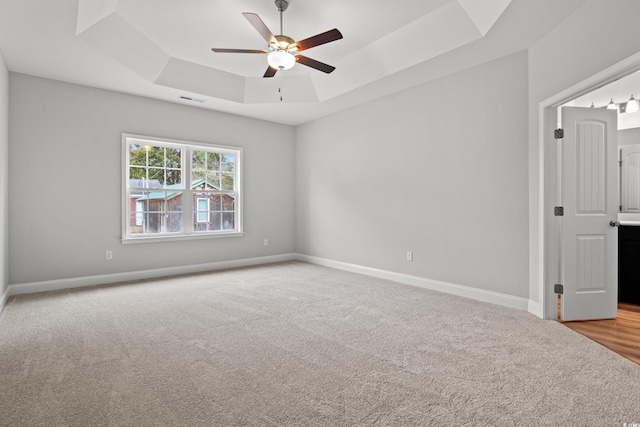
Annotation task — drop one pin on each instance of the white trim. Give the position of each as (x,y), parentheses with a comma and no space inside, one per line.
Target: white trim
(611,74)
(3,299)
(146,238)
(103,279)
(535,309)
(434,285)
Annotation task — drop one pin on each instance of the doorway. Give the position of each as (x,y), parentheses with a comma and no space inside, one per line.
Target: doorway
(549,166)
(622,333)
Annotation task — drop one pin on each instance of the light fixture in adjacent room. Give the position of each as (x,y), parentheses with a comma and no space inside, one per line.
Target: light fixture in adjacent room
(280,59)
(593,105)
(632,105)
(612,105)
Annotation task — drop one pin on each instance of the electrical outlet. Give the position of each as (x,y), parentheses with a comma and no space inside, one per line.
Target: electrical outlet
(266,242)
(109,255)
(409,256)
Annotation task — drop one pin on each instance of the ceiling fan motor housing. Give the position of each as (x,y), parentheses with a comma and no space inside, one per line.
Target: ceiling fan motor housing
(282,5)
(284,42)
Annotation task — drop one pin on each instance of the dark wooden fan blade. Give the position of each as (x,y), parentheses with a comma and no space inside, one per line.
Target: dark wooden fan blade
(317,40)
(217,50)
(270,72)
(315,64)
(260,26)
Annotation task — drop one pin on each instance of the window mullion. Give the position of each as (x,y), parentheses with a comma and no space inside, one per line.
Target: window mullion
(187,195)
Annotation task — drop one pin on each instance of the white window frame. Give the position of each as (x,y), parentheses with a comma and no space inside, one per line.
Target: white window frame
(188,210)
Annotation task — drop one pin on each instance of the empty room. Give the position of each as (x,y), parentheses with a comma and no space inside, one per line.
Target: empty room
(337,213)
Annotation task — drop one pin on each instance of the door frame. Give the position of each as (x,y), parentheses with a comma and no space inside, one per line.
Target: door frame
(545,238)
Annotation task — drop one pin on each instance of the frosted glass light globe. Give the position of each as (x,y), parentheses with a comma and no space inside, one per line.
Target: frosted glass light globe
(280,59)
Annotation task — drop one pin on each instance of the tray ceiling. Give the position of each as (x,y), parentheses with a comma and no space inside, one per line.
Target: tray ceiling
(162,48)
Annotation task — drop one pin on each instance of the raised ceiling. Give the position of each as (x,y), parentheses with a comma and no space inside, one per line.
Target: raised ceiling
(162,48)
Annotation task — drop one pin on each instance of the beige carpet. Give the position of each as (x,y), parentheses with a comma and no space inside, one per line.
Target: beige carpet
(294,344)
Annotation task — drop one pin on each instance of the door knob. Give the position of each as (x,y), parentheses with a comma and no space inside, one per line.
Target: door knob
(614,223)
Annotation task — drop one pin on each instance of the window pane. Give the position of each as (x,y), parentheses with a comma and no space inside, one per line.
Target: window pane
(135,222)
(213,178)
(198,175)
(228,202)
(199,160)
(173,177)
(157,212)
(137,172)
(160,165)
(228,219)
(227,182)
(157,174)
(174,222)
(155,156)
(215,202)
(228,163)
(213,161)
(137,155)
(173,156)
(216,222)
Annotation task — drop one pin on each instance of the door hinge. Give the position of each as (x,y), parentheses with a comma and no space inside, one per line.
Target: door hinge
(558,211)
(558,133)
(558,289)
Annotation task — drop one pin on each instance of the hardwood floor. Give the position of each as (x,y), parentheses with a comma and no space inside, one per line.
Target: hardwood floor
(621,334)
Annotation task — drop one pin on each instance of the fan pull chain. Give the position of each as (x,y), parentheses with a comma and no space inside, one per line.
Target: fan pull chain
(280,85)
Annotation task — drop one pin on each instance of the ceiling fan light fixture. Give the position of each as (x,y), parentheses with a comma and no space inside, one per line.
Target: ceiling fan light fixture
(281,59)
(612,105)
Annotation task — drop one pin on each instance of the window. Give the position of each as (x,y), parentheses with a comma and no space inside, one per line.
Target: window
(202,213)
(176,189)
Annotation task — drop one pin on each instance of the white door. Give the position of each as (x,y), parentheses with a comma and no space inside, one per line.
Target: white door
(630,179)
(590,201)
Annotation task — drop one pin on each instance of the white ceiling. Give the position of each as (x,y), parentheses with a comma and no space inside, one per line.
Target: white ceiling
(162,48)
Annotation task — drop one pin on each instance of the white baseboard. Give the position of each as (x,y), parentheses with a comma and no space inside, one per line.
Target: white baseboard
(535,309)
(103,279)
(435,285)
(3,299)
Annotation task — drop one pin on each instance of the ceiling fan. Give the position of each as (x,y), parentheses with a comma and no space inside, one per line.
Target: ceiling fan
(283,52)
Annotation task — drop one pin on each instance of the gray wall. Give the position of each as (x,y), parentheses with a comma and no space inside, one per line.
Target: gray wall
(629,136)
(440,169)
(65,181)
(4,178)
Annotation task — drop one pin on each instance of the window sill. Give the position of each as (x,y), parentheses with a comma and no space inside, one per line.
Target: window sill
(179,237)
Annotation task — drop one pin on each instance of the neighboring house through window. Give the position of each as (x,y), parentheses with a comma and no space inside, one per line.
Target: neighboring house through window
(178,189)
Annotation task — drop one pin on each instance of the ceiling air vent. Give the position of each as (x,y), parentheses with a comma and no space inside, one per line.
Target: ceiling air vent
(188,98)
